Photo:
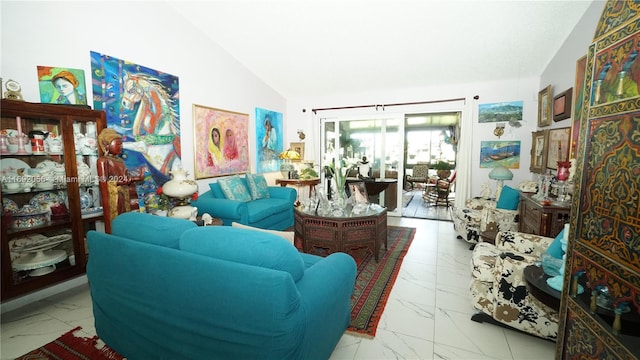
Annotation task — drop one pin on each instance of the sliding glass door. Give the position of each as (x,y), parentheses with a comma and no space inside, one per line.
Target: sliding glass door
(376,140)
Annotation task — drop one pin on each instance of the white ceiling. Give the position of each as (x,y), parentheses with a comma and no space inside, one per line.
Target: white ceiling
(314,48)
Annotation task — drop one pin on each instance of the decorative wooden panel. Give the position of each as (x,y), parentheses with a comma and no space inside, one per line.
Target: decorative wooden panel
(604,247)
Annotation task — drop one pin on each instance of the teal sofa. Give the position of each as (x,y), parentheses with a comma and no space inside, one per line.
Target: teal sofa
(163,288)
(273,213)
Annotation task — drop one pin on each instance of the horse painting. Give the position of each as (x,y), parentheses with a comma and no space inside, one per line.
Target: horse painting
(155,126)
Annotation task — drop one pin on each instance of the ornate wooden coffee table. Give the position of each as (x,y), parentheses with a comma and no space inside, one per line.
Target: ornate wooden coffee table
(323,235)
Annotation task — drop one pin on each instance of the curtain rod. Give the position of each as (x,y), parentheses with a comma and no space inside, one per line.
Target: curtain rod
(384,105)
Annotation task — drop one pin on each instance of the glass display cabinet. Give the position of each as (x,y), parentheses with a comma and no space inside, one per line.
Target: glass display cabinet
(49,192)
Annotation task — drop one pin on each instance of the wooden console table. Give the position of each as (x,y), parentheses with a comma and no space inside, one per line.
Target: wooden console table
(322,236)
(299,182)
(545,220)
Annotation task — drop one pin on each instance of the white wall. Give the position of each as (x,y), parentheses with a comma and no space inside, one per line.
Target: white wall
(151,34)
(147,33)
(561,70)
(525,89)
(560,73)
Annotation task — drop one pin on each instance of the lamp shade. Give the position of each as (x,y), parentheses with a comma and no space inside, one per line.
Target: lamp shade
(289,155)
(500,173)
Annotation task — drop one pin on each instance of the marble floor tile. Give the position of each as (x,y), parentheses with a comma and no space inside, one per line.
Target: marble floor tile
(427,315)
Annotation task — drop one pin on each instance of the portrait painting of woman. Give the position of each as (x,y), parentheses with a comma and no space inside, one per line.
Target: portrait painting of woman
(62,86)
(220,141)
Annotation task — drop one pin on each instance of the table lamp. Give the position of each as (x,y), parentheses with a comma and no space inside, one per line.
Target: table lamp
(500,174)
(286,167)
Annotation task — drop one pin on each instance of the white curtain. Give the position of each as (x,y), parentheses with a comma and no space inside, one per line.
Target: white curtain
(465,152)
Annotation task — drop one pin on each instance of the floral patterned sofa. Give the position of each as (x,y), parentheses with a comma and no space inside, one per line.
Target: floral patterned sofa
(480,216)
(498,287)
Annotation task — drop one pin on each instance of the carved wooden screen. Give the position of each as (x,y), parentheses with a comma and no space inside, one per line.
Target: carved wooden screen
(604,250)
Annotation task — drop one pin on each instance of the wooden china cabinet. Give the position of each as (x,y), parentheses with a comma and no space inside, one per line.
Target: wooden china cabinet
(49,192)
(603,255)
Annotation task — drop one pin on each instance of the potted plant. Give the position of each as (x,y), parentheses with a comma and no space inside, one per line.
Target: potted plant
(443,169)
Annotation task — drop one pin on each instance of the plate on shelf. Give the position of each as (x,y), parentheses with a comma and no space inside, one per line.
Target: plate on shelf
(92,210)
(8,204)
(45,244)
(9,166)
(47,164)
(45,198)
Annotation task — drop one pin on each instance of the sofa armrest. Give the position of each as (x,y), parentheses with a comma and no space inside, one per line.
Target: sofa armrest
(221,208)
(281,192)
(494,220)
(523,243)
(325,292)
(334,276)
(479,203)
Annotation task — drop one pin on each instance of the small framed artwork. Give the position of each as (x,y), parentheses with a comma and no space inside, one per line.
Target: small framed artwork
(358,190)
(539,144)
(299,148)
(61,85)
(562,105)
(544,107)
(558,149)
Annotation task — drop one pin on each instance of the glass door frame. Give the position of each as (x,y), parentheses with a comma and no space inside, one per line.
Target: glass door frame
(398,117)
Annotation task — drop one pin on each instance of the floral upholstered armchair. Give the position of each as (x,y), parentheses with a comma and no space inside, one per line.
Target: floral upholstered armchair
(498,287)
(481,219)
(480,216)
(420,175)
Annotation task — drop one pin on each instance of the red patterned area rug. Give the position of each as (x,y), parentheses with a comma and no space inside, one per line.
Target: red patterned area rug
(70,347)
(375,281)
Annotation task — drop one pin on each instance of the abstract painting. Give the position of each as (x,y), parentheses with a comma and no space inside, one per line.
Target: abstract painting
(268,140)
(221,141)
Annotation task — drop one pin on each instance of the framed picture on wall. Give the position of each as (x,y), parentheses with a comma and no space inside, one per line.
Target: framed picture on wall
(221,142)
(544,107)
(299,148)
(558,149)
(539,144)
(562,105)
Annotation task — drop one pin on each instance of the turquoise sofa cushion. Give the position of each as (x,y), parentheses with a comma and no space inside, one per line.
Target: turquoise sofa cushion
(216,190)
(509,198)
(157,230)
(555,248)
(258,186)
(244,246)
(263,208)
(234,189)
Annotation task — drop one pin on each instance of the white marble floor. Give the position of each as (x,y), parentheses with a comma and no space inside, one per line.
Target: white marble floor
(427,316)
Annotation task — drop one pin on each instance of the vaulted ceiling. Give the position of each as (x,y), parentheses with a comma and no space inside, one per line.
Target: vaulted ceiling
(315,48)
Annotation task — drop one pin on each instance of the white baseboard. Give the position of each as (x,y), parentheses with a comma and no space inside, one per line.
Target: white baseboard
(27,299)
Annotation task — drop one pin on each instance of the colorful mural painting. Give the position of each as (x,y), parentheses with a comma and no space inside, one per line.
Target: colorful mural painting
(143,106)
(500,153)
(268,140)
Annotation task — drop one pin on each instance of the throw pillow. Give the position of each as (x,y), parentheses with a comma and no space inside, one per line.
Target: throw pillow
(216,190)
(509,198)
(287,235)
(258,186)
(555,248)
(234,189)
